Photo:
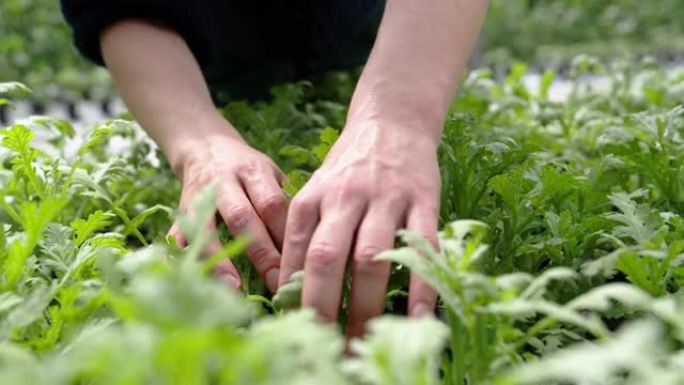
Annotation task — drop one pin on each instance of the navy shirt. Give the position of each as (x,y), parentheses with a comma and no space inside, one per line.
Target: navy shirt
(243,47)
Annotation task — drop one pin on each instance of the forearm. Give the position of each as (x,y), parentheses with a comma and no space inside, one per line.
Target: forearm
(415,67)
(162,85)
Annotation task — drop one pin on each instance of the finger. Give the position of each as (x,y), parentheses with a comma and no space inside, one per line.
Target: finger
(370,277)
(302,220)
(326,259)
(269,201)
(280,176)
(241,219)
(186,208)
(422,219)
(226,272)
(177,234)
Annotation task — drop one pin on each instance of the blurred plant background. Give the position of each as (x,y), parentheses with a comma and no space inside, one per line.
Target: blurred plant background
(36,49)
(551,32)
(562,259)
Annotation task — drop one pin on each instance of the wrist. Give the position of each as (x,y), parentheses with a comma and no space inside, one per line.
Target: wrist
(403,128)
(402,112)
(386,139)
(197,138)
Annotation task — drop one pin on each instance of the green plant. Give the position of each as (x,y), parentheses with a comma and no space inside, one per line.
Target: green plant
(561,243)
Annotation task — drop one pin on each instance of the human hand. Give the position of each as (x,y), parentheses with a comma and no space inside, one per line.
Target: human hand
(376,179)
(249,198)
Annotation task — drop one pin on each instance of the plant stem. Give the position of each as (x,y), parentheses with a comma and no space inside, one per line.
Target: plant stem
(458,349)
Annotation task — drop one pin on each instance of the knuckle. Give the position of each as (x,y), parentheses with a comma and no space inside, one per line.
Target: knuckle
(351,191)
(272,204)
(323,256)
(302,205)
(224,267)
(297,237)
(199,177)
(247,168)
(364,260)
(366,254)
(262,257)
(395,197)
(237,217)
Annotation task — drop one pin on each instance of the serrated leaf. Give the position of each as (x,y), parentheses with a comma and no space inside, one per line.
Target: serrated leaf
(96,137)
(139,219)
(17,138)
(86,228)
(538,287)
(635,218)
(14,89)
(31,308)
(377,361)
(636,348)
(296,179)
(603,297)
(328,137)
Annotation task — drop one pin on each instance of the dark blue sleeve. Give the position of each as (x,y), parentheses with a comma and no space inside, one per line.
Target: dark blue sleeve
(89,18)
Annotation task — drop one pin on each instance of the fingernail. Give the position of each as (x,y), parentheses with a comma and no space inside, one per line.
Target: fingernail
(272,279)
(422,309)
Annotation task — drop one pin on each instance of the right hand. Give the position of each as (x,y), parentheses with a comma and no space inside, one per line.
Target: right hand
(249,199)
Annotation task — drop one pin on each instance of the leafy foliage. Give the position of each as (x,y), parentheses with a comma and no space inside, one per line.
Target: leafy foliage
(560,259)
(553,31)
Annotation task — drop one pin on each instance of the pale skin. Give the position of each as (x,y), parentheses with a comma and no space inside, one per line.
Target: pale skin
(382,174)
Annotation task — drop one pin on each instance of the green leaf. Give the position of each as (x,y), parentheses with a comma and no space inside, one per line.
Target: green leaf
(636,350)
(538,287)
(603,298)
(96,221)
(636,219)
(295,181)
(62,126)
(97,137)
(18,138)
(511,186)
(545,84)
(194,228)
(34,218)
(299,155)
(328,137)
(14,89)
(399,351)
(523,309)
(31,308)
(139,219)
(311,352)
(426,268)
(8,301)
(289,295)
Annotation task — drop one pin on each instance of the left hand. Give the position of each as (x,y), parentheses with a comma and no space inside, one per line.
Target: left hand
(379,177)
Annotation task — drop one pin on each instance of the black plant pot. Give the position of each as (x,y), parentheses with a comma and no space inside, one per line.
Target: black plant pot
(38,108)
(4,115)
(106,107)
(72,112)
